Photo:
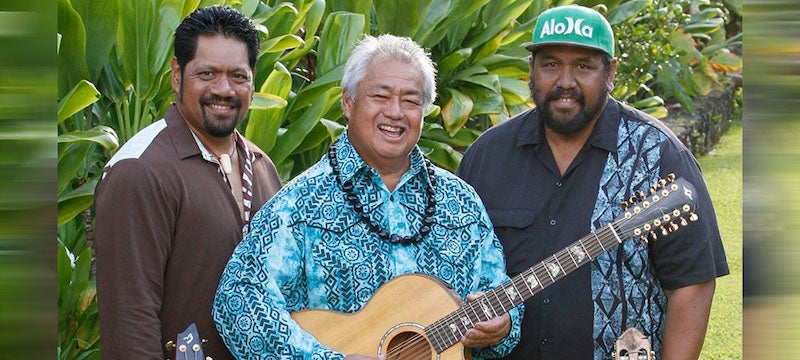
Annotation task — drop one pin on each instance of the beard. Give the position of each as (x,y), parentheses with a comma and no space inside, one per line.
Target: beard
(219,125)
(562,123)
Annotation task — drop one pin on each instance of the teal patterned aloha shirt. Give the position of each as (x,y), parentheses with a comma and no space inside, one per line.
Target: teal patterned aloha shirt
(308,249)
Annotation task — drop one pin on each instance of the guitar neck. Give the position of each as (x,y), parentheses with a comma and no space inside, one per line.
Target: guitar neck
(449,330)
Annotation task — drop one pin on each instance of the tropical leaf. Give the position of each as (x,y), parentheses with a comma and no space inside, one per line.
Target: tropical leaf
(456,109)
(626,11)
(298,129)
(100,19)
(388,21)
(339,35)
(82,95)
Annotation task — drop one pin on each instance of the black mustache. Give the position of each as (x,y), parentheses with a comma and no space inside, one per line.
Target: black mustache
(560,92)
(234,102)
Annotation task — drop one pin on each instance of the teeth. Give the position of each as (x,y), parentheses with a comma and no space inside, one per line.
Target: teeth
(390,128)
(219,107)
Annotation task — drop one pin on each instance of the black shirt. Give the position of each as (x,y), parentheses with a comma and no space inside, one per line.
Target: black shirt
(537,212)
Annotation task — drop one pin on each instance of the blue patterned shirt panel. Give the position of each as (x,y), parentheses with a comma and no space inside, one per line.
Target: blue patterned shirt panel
(308,249)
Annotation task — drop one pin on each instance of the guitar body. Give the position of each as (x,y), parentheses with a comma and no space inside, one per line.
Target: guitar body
(390,323)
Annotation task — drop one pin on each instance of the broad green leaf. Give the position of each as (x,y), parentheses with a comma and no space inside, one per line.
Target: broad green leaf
(441,154)
(72,66)
(658,112)
(74,202)
(363,7)
(460,9)
(515,92)
(706,26)
(450,62)
(389,20)
(144,42)
(484,101)
(248,7)
(334,128)
(280,19)
(267,101)
(298,129)
(70,161)
(436,13)
(281,43)
(188,7)
(462,138)
(498,16)
(103,135)
(489,47)
(505,66)
(82,95)
(648,102)
(726,61)
(465,74)
(339,36)
(491,82)
(313,19)
(100,19)
(263,124)
(626,11)
(456,110)
(319,86)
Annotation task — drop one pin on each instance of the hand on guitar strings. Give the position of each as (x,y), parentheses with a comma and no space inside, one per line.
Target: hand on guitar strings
(486,333)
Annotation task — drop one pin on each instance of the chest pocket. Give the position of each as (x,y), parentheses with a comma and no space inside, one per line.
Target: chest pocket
(514,229)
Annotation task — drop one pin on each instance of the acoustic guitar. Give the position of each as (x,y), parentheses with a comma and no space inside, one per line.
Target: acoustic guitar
(416,316)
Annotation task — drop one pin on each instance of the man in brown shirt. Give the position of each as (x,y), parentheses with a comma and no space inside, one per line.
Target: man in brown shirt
(177,198)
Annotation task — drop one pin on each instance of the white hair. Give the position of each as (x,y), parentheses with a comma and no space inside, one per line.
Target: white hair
(389,47)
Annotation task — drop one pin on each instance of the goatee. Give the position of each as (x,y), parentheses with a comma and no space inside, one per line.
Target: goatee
(219,125)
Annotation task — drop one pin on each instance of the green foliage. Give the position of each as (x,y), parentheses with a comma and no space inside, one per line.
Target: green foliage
(673,51)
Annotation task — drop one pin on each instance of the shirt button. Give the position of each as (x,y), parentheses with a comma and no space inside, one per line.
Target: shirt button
(558,184)
(546,300)
(545,341)
(552,222)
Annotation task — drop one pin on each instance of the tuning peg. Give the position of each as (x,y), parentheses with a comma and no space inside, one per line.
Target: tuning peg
(653,235)
(683,221)
(662,183)
(641,195)
(624,206)
(664,231)
(673,226)
(170,345)
(644,239)
(653,190)
(693,217)
(633,200)
(671,177)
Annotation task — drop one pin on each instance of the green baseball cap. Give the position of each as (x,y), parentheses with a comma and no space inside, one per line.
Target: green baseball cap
(573,25)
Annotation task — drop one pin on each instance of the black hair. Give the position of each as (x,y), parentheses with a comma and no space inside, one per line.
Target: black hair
(210,21)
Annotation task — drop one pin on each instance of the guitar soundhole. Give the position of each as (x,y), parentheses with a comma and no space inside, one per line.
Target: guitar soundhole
(408,346)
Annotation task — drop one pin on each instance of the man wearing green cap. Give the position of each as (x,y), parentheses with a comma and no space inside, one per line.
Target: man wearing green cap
(557,172)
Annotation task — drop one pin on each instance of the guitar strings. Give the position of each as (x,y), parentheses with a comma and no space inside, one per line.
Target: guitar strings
(418,344)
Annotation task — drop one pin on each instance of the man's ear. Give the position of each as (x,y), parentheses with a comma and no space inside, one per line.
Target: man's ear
(347,104)
(612,70)
(175,78)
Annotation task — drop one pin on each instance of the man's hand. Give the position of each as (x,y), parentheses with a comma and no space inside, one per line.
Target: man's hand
(486,333)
